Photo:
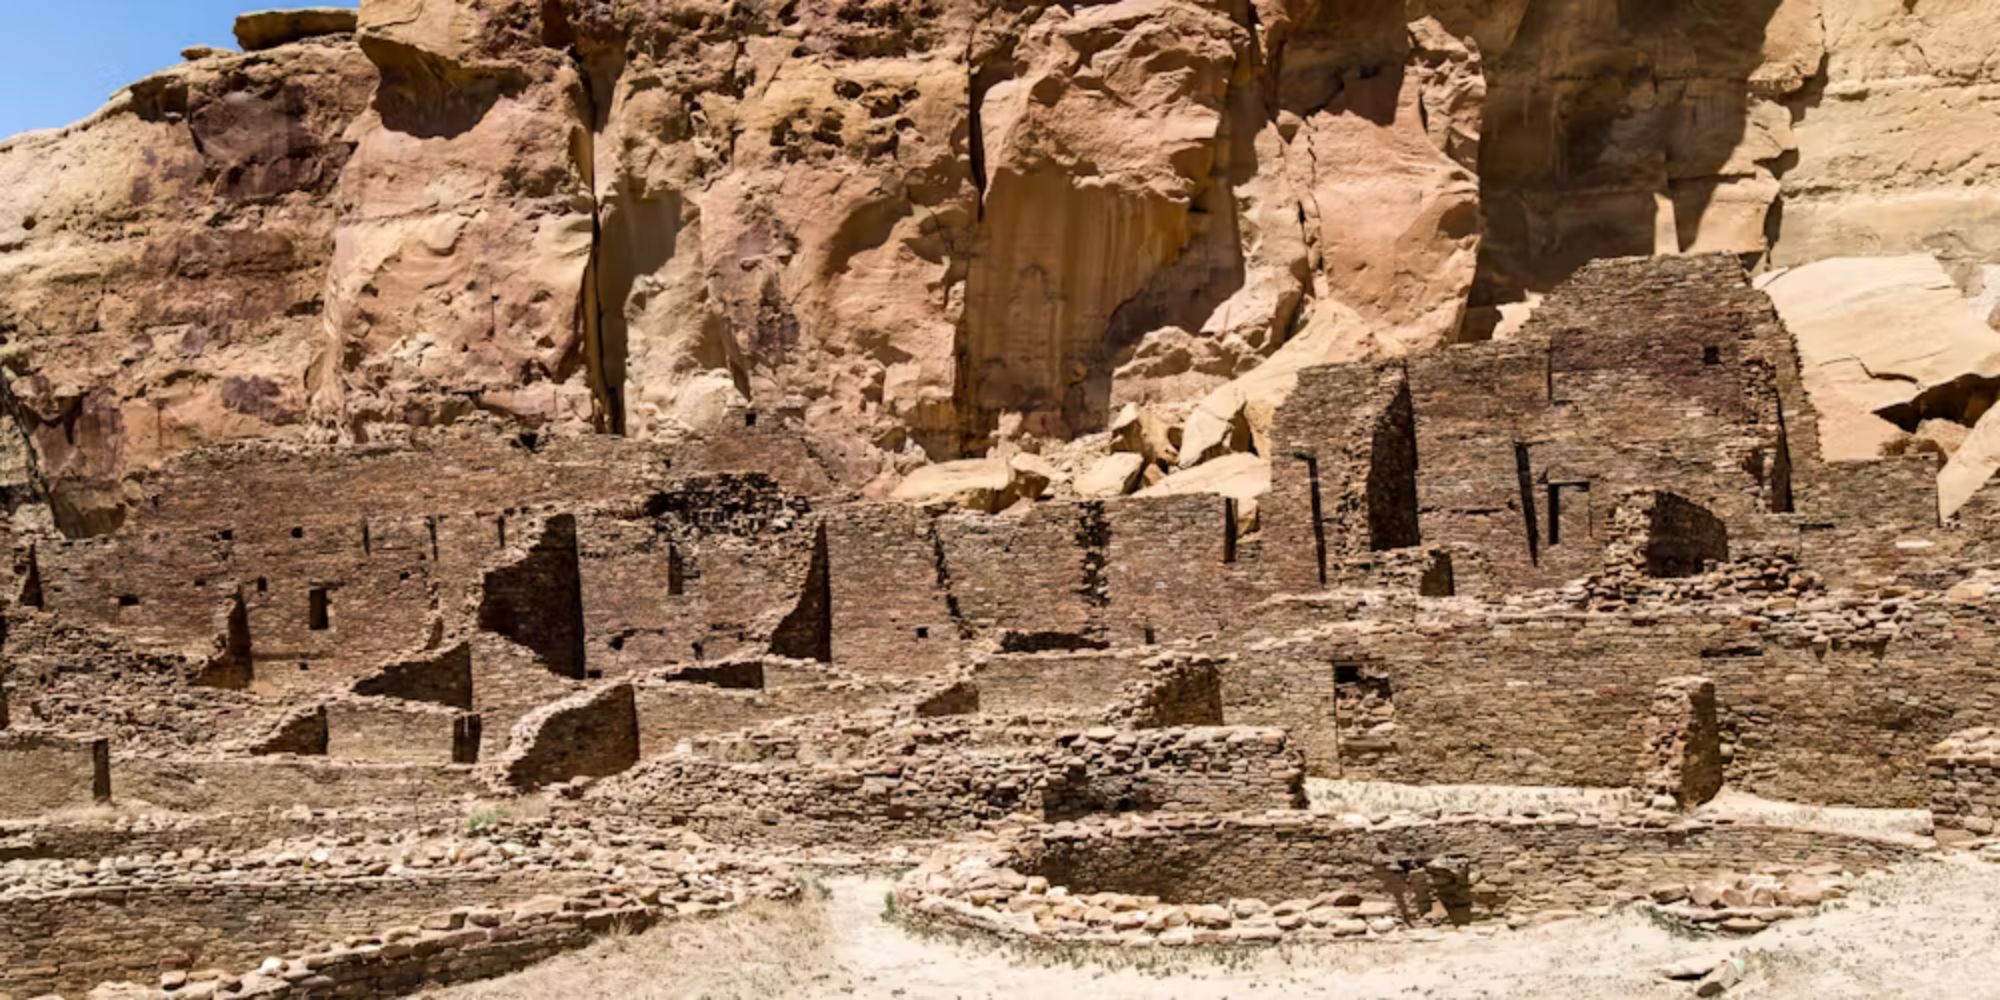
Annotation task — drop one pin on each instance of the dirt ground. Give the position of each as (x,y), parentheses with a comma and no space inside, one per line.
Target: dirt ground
(1929,929)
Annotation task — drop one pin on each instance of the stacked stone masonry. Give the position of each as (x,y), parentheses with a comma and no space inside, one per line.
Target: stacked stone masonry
(1602,553)
(1205,879)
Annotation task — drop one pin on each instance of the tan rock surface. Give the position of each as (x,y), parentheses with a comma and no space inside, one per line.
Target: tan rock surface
(1111,476)
(268,29)
(920,231)
(163,265)
(1896,156)
(1876,334)
(1971,467)
(1239,477)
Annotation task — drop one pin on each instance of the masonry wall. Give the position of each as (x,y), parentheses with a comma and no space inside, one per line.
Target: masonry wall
(670,711)
(1208,769)
(74,940)
(1965,783)
(1084,683)
(1344,474)
(42,773)
(264,784)
(383,731)
(891,589)
(927,792)
(1030,581)
(592,734)
(1494,868)
(1554,696)
(1176,568)
(1634,374)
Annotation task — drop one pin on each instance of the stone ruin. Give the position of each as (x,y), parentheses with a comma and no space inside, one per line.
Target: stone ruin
(1605,554)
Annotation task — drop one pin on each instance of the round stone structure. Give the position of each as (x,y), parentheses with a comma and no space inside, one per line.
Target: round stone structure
(1180,879)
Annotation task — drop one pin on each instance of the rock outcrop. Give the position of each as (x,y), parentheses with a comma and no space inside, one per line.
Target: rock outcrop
(918,232)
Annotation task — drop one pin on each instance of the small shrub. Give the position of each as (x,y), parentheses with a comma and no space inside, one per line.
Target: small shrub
(483,819)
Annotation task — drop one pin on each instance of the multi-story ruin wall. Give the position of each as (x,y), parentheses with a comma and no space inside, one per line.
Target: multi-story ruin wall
(1604,553)
(1646,428)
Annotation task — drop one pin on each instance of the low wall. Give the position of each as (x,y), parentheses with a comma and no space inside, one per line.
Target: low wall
(1209,879)
(1965,782)
(1087,683)
(91,838)
(347,928)
(871,782)
(385,731)
(67,942)
(588,735)
(238,785)
(43,773)
(865,801)
(1508,866)
(671,711)
(1210,769)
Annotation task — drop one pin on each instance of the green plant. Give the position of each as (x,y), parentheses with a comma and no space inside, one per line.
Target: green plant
(483,819)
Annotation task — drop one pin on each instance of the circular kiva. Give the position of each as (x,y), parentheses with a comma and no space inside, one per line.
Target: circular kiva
(1200,879)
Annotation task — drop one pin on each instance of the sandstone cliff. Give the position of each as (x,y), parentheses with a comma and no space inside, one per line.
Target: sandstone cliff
(921,229)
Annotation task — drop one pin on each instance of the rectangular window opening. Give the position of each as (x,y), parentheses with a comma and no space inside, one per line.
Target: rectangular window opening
(316,610)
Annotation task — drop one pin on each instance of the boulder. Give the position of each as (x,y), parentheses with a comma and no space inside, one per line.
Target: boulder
(1939,363)
(974,483)
(268,29)
(1142,431)
(1240,477)
(1114,475)
(1972,465)
(988,485)
(1237,417)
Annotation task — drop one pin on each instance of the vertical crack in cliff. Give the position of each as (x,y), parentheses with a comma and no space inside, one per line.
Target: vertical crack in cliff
(603,369)
(975,98)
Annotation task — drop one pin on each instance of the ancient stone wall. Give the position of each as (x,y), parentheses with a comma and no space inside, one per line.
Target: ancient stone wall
(237,785)
(588,735)
(47,773)
(1032,581)
(1682,760)
(894,609)
(1821,700)
(1342,487)
(1083,683)
(73,940)
(438,677)
(1185,879)
(1214,769)
(1175,567)
(385,731)
(1965,782)
(725,696)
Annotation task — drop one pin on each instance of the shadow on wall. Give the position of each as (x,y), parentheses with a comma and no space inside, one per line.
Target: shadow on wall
(1624,128)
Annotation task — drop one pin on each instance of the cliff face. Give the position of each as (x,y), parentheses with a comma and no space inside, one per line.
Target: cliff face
(921,228)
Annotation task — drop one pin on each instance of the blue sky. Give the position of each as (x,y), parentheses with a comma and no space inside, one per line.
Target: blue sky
(59,59)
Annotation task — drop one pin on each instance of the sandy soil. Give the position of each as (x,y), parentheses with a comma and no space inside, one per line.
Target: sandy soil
(1927,930)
